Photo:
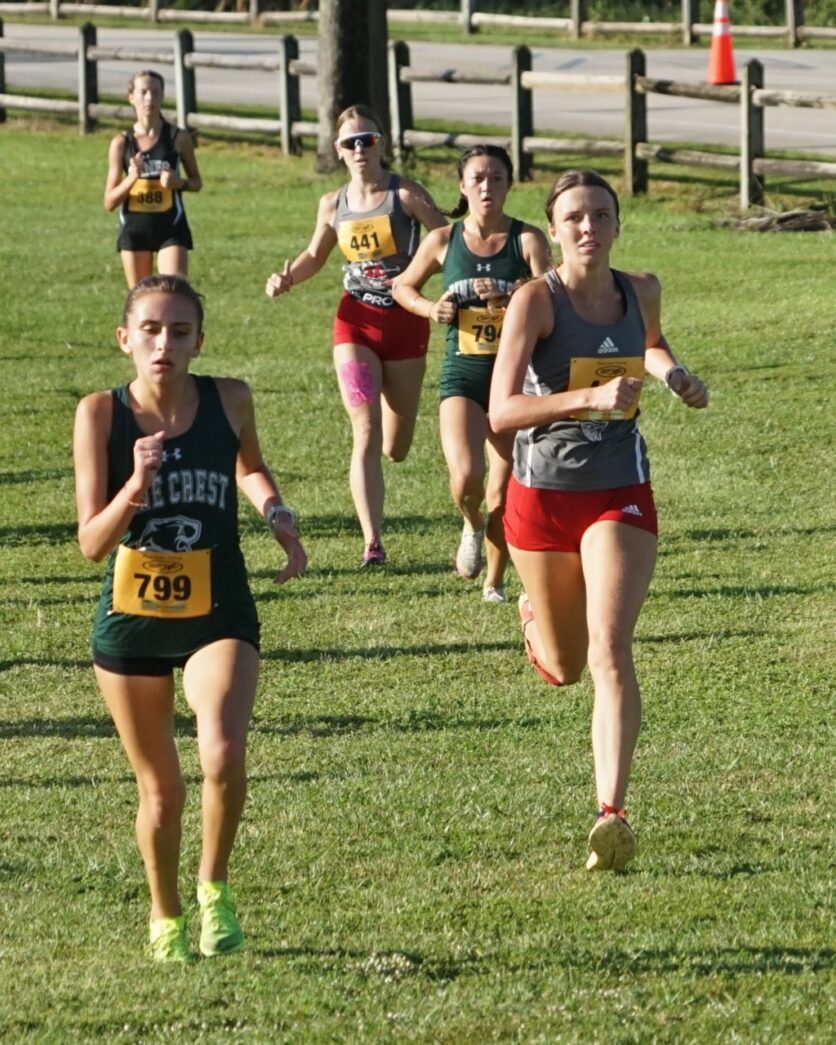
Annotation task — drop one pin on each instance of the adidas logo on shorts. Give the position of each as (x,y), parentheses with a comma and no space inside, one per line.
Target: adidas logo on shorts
(632,509)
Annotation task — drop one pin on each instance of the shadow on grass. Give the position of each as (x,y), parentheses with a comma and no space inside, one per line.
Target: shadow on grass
(35,475)
(320,654)
(78,728)
(44,662)
(700,636)
(20,536)
(737,591)
(727,961)
(413,722)
(343,526)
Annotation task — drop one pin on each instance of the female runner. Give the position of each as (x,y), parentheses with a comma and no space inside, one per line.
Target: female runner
(144,180)
(379,349)
(482,259)
(158,463)
(580,518)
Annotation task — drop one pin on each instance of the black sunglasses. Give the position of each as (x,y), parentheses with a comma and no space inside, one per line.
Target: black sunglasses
(367,139)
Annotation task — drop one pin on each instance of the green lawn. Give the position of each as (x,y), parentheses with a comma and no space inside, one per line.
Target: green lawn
(410,866)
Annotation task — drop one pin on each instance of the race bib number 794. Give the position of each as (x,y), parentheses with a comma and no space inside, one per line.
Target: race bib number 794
(162,584)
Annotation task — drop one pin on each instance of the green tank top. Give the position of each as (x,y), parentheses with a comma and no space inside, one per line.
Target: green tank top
(476,330)
(191,505)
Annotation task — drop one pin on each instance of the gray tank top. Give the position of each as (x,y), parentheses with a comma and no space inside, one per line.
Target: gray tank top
(377,244)
(587,452)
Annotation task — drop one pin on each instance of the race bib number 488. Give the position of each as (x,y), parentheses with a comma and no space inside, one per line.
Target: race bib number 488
(147,196)
(162,584)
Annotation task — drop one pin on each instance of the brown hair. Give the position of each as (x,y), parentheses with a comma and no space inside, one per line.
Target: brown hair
(359,112)
(176,286)
(572,179)
(494,152)
(146,72)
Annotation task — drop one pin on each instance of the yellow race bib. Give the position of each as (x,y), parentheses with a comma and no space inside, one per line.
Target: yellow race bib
(367,239)
(479,331)
(586,372)
(147,196)
(162,584)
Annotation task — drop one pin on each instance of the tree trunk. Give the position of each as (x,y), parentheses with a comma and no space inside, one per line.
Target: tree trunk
(352,67)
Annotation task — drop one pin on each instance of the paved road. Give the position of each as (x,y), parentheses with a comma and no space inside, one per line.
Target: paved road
(600,113)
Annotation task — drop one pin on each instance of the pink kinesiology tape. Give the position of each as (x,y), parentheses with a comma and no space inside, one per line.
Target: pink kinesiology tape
(358,382)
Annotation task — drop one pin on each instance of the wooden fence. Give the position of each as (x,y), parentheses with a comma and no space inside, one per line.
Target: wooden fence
(576,26)
(522,143)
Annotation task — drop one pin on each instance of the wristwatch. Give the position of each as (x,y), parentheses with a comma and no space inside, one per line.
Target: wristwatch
(280,513)
(678,369)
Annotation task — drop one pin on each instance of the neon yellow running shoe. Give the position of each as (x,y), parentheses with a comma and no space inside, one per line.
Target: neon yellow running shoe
(220,931)
(167,940)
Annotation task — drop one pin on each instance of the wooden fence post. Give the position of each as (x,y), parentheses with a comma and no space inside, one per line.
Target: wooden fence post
(522,113)
(635,131)
(795,21)
(467,8)
(2,75)
(690,10)
(400,97)
(184,77)
(55,9)
(751,136)
(88,78)
(290,107)
(253,12)
(577,13)
(154,10)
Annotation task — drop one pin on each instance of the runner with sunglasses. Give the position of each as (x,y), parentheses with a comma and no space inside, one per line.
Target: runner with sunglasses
(379,349)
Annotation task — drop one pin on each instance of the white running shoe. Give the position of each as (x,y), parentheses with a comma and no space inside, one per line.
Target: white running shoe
(611,841)
(469,554)
(496,596)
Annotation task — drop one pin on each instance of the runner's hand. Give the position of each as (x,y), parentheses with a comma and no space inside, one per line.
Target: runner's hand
(279,282)
(445,309)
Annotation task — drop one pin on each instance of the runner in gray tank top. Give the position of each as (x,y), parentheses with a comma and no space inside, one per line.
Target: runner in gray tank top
(482,259)
(379,349)
(157,464)
(580,517)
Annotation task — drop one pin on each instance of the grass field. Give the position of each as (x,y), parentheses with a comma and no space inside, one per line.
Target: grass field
(410,866)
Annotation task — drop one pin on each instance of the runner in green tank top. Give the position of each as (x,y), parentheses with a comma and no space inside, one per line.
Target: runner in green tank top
(157,463)
(482,259)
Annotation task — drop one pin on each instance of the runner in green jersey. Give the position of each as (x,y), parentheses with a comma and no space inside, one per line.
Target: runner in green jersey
(482,259)
(157,464)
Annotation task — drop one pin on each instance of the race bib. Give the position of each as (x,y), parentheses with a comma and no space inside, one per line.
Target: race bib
(365,239)
(479,331)
(147,196)
(162,584)
(589,372)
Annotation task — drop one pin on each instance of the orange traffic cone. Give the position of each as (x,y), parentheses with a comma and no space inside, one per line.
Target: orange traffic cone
(721,61)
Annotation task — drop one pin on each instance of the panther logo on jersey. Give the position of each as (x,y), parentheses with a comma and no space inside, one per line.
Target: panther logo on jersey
(177,533)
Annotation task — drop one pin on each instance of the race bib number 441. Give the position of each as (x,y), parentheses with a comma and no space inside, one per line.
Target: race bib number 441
(147,196)
(367,239)
(162,584)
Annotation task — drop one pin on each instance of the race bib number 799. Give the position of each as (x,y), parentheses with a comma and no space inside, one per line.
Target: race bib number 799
(162,584)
